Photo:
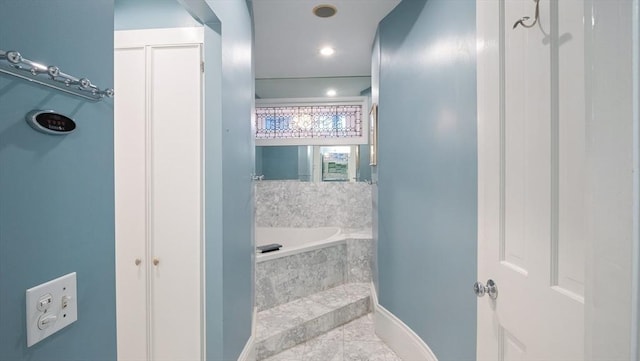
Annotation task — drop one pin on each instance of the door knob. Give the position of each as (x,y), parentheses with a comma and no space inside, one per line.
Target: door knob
(156,261)
(138,261)
(479,289)
(491,289)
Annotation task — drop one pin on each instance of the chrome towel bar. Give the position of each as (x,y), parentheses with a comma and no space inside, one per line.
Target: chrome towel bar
(12,63)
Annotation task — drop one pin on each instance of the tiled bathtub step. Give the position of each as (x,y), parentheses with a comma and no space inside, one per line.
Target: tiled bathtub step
(293,323)
(285,279)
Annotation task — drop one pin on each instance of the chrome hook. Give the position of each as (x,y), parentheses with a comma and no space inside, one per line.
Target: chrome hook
(525,18)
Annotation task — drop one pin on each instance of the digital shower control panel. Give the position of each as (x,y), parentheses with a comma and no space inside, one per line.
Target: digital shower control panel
(50,122)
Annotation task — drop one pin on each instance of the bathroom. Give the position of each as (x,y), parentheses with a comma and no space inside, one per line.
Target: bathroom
(425,186)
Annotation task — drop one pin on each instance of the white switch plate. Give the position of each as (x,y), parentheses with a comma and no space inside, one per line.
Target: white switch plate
(42,321)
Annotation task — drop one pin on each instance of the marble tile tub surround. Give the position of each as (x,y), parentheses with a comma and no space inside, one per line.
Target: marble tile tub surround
(288,278)
(355,341)
(312,204)
(291,324)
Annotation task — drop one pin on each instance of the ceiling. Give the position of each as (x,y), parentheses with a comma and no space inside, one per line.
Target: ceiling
(311,87)
(288,37)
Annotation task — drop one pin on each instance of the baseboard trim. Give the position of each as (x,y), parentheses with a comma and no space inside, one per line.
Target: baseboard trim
(397,335)
(248,352)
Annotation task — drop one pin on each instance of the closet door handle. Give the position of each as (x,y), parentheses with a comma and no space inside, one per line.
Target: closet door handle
(156,261)
(138,261)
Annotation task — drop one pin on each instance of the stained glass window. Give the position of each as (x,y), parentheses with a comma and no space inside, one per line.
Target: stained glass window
(298,122)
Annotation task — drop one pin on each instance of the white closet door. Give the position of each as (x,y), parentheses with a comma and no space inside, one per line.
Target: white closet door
(175,107)
(158,175)
(130,202)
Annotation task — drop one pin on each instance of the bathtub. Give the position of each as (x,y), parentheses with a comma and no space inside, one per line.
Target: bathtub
(295,240)
(310,260)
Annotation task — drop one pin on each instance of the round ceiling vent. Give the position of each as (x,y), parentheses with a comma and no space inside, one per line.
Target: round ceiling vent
(325,11)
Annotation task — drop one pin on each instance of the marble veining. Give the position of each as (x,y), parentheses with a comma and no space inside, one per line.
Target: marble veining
(284,279)
(288,325)
(359,260)
(312,204)
(355,341)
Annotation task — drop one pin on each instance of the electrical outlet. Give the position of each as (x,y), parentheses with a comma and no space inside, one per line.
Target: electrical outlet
(51,306)
(45,302)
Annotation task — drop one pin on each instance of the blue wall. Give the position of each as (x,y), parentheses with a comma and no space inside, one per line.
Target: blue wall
(287,162)
(364,170)
(56,192)
(151,14)
(375,98)
(279,162)
(214,207)
(236,149)
(427,172)
(229,160)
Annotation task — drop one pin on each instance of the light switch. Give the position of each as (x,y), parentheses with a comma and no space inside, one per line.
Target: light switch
(51,306)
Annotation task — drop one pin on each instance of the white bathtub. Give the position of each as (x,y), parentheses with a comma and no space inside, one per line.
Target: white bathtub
(295,240)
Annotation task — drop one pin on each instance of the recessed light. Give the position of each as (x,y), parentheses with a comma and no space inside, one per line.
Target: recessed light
(325,11)
(331,93)
(327,51)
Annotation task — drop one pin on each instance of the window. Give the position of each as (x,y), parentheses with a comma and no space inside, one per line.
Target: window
(338,163)
(331,121)
(310,123)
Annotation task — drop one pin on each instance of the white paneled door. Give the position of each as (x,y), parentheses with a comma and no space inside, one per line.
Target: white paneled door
(531,143)
(158,174)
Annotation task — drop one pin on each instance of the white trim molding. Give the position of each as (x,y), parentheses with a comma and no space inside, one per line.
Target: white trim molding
(249,350)
(635,295)
(172,36)
(397,335)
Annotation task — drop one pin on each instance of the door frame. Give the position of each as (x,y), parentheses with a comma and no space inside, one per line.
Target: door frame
(635,307)
(611,302)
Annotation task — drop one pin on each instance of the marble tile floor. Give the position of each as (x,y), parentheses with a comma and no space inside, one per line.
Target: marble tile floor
(290,324)
(281,318)
(354,341)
